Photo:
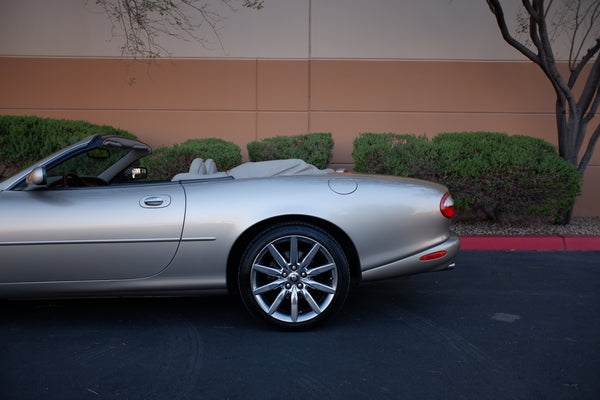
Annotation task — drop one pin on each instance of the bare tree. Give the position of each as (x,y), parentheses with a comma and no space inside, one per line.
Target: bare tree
(143,22)
(579,20)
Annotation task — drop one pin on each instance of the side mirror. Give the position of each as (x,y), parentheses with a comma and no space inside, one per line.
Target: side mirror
(136,173)
(37,177)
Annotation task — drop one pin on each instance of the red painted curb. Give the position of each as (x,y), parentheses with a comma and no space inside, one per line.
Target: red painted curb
(532,243)
(585,243)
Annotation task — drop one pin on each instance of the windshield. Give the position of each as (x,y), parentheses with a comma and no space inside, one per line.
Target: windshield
(6,172)
(88,164)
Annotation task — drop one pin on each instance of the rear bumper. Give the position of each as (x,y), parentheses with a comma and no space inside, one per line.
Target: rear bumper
(414,265)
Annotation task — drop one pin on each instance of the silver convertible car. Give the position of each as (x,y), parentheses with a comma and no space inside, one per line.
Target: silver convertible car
(290,238)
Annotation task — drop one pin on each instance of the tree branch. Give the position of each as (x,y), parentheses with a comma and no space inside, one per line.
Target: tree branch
(498,12)
(593,11)
(587,156)
(539,34)
(591,88)
(592,51)
(144,21)
(594,107)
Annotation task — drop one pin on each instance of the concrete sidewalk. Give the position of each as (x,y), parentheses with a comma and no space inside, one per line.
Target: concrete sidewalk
(541,243)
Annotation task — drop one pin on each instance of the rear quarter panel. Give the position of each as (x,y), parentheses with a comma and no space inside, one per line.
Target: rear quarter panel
(386,218)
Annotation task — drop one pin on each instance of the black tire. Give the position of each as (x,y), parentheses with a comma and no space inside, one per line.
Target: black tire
(293,276)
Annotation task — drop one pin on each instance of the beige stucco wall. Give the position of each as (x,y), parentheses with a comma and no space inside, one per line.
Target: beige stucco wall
(168,101)
(290,29)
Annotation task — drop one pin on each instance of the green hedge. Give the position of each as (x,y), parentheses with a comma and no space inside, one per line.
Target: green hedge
(27,139)
(498,174)
(392,154)
(314,148)
(165,162)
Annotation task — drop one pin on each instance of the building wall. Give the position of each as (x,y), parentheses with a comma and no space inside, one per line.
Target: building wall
(344,67)
(389,29)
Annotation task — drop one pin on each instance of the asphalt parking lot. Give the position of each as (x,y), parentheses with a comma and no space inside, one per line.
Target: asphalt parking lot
(502,325)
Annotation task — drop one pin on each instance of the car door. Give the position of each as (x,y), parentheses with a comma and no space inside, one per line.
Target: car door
(89,233)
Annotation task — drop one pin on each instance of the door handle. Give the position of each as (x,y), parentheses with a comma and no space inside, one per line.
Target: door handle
(153,201)
(157,201)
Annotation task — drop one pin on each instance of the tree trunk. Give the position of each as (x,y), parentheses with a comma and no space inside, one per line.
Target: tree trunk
(566,217)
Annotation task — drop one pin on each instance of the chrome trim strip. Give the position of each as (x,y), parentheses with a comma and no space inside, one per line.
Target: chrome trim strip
(107,241)
(89,241)
(207,179)
(199,239)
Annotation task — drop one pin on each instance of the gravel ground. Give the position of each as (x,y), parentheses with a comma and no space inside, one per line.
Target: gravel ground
(580,226)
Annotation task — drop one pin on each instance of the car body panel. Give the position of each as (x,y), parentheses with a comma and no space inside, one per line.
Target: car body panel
(413,264)
(365,215)
(89,233)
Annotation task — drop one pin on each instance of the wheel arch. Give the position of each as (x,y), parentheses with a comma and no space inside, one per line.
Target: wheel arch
(242,242)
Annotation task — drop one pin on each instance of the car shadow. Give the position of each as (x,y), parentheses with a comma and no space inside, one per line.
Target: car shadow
(367,302)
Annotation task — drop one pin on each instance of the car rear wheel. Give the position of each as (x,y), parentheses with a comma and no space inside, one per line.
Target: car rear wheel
(294,276)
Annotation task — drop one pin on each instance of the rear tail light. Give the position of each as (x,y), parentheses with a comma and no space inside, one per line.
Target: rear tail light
(447,206)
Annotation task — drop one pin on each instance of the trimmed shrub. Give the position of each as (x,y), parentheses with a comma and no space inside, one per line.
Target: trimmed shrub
(500,175)
(505,175)
(27,139)
(392,154)
(166,162)
(314,148)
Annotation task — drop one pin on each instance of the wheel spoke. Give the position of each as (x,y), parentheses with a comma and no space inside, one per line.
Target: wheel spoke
(278,257)
(311,301)
(294,304)
(294,250)
(267,270)
(268,287)
(277,302)
(322,269)
(321,287)
(310,255)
